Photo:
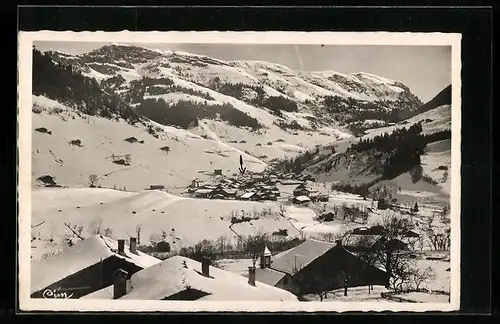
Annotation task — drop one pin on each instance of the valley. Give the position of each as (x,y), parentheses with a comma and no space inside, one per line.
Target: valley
(202,154)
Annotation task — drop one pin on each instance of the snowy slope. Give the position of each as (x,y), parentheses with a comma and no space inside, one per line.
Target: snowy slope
(101,138)
(186,220)
(71,165)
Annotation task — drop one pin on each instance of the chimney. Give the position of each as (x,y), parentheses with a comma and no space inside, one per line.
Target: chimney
(251,276)
(205,266)
(262,261)
(121,284)
(133,245)
(121,247)
(339,242)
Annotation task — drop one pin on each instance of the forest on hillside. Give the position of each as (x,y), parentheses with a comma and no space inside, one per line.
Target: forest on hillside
(254,95)
(403,148)
(66,84)
(349,110)
(185,113)
(398,152)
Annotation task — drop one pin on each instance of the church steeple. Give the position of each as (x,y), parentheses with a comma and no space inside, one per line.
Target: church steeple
(265,258)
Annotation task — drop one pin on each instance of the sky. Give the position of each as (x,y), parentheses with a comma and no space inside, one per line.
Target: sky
(426,70)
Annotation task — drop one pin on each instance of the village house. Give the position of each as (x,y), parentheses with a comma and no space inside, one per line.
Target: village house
(323,198)
(316,266)
(301,190)
(87,266)
(203,193)
(301,200)
(363,239)
(327,217)
(180,278)
(217,172)
(306,177)
(156,187)
(195,183)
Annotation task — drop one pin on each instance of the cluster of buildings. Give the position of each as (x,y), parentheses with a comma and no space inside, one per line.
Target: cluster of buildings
(303,194)
(255,187)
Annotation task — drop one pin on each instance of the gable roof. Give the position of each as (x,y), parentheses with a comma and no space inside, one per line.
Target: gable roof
(177,273)
(268,276)
(83,254)
(300,256)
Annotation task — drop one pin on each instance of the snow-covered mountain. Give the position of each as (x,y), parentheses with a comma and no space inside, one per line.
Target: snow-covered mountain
(190,108)
(413,155)
(249,86)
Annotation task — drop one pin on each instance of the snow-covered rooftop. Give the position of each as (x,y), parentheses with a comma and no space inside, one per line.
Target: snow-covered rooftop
(268,276)
(177,273)
(300,256)
(302,198)
(83,254)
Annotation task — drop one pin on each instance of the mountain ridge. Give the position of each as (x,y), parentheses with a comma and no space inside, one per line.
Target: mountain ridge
(302,87)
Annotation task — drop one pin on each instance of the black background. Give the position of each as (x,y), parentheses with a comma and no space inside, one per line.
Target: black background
(475,24)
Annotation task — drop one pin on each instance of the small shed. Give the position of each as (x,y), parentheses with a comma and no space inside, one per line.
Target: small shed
(43,130)
(76,142)
(156,187)
(47,180)
(131,139)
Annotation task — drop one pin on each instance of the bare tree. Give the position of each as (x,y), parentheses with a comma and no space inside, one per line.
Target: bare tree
(255,245)
(95,226)
(138,228)
(93,178)
(401,273)
(421,276)
(76,231)
(108,232)
(221,242)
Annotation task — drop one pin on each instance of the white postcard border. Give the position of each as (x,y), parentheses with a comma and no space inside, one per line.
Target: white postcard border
(26,40)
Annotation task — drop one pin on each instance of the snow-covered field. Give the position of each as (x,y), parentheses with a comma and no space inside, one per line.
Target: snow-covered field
(421,297)
(354,294)
(186,221)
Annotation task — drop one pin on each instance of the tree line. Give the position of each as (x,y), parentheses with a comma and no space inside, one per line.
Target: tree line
(186,114)
(353,110)
(68,85)
(240,91)
(402,148)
